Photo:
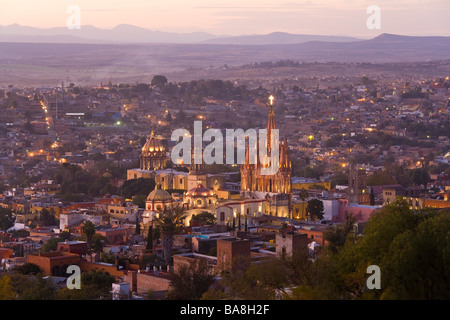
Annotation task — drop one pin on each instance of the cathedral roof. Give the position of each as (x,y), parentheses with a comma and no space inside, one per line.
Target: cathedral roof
(153,147)
(159,195)
(200,191)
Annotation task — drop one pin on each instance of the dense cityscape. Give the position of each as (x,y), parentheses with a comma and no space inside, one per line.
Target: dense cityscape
(96,187)
(224,159)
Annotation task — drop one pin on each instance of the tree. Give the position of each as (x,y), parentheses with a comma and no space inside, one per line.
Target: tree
(28,268)
(47,218)
(191,281)
(88,230)
(32,288)
(98,241)
(159,81)
(51,244)
(381,178)
(418,266)
(6,219)
(139,200)
(99,281)
(372,197)
(410,249)
(170,223)
(315,209)
(149,245)
(138,226)
(249,281)
(303,194)
(338,235)
(141,186)
(6,290)
(203,218)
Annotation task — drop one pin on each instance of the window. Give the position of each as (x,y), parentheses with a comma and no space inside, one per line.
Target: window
(222,216)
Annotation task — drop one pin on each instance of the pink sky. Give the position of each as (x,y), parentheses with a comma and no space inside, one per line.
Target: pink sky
(232,17)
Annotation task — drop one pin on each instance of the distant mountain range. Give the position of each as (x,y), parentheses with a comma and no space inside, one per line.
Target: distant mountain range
(125,33)
(126,53)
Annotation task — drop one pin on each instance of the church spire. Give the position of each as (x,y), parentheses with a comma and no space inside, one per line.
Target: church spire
(270,123)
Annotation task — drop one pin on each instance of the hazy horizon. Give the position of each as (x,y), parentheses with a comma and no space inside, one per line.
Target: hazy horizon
(232,18)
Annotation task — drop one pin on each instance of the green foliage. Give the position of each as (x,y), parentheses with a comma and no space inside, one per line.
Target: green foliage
(6,219)
(77,182)
(159,81)
(338,235)
(410,248)
(139,200)
(141,186)
(28,268)
(149,245)
(6,290)
(20,233)
(249,282)
(108,258)
(51,244)
(48,218)
(88,230)
(191,281)
(99,279)
(33,287)
(98,242)
(315,209)
(204,218)
(170,224)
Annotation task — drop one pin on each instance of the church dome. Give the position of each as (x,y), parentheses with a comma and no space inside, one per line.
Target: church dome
(200,191)
(159,195)
(153,147)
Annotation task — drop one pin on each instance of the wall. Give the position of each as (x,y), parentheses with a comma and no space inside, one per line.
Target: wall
(46,261)
(361,212)
(228,250)
(289,242)
(330,208)
(6,253)
(149,281)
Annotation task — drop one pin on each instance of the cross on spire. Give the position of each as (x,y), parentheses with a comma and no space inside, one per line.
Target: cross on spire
(271,98)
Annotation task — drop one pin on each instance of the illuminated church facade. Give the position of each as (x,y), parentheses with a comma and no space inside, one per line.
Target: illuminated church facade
(275,188)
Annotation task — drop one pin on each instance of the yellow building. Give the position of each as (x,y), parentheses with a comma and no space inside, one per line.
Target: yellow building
(299,210)
(311,185)
(38,209)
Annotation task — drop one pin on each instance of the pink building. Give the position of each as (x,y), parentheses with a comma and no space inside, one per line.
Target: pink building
(360,211)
